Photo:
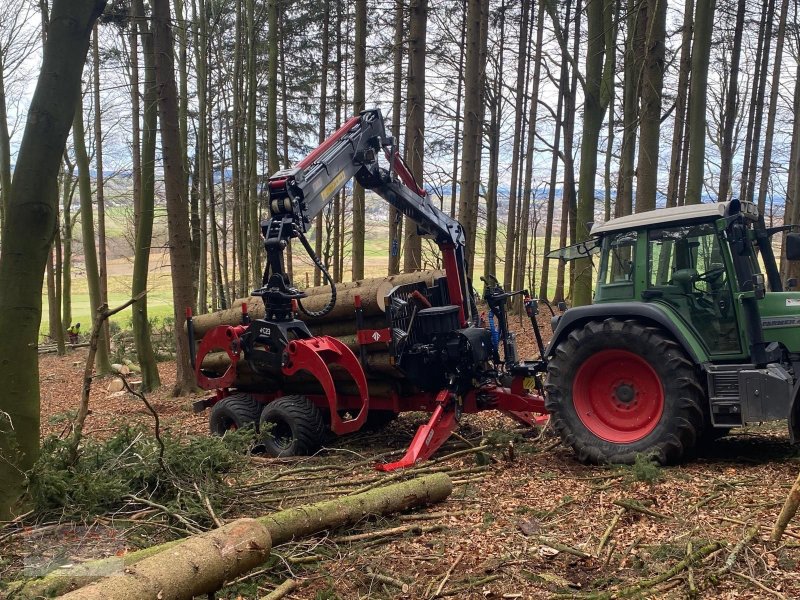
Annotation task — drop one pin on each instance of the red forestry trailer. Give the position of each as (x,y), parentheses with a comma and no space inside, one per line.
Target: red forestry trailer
(299,384)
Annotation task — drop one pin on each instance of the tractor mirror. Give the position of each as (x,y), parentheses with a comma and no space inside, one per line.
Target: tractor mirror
(793,246)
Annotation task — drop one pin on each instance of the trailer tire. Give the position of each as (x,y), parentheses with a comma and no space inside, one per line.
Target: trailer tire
(234,412)
(617,389)
(291,426)
(379,419)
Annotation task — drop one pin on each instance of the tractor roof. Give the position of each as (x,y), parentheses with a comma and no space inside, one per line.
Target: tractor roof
(677,214)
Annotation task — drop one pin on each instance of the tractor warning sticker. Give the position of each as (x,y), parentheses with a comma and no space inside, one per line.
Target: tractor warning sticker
(793,302)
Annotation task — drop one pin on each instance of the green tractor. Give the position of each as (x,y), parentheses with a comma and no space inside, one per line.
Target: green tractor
(690,334)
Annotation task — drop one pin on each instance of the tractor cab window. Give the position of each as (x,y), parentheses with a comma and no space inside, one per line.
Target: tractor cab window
(616,270)
(686,269)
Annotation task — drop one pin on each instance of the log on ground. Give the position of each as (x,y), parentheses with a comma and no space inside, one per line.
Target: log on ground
(283,526)
(198,565)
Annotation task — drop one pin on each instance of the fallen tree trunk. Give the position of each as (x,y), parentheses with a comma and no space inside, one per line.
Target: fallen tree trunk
(372,292)
(198,565)
(283,526)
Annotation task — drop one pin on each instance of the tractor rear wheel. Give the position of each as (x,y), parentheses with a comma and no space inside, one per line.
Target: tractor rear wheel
(291,426)
(616,389)
(234,412)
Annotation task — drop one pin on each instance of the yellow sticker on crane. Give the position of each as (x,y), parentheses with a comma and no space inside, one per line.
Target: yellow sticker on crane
(529,383)
(329,190)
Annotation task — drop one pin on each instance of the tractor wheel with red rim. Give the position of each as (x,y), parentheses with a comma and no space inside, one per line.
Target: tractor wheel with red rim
(617,389)
(234,412)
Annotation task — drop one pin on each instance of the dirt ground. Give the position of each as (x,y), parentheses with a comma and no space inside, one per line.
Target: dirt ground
(526,523)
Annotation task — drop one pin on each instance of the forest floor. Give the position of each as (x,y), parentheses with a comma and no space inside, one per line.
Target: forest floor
(527,523)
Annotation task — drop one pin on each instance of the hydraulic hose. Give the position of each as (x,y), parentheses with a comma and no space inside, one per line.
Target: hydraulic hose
(315,259)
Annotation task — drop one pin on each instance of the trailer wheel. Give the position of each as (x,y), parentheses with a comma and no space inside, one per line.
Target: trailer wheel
(234,412)
(378,419)
(291,426)
(616,389)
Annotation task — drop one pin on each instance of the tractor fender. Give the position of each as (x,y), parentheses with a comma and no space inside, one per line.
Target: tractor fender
(643,312)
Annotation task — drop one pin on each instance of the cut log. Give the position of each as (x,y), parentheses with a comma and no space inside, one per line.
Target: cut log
(372,292)
(198,565)
(283,526)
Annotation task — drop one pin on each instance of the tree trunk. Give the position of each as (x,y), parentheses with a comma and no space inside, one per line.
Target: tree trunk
(272,141)
(470,177)
(598,88)
(359,92)
(30,225)
(415,121)
(67,190)
(102,260)
(630,116)
(757,105)
(174,178)
(679,143)
(323,114)
(102,362)
(731,107)
(144,224)
(5,151)
(653,26)
(701,49)
(526,199)
(773,105)
(396,217)
(519,114)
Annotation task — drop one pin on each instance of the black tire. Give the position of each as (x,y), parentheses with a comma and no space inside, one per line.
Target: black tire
(234,412)
(379,419)
(291,426)
(658,361)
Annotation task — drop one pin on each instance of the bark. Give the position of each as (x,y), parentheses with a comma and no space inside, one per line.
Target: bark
(731,107)
(792,268)
(524,221)
(471,146)
(102,362)
(772,110)
(144,224)
(679,144)
(701,49)
(757,105)
(415,121)
(788,511)
(67,190)
(459,98)
(396,217)
(5,151)
(53,311)
(102,261)
(519,112)
(283,526)
(597,91)
(372,292)
(174,179)
(630,117)
(323,110)
(29,228)
(272,86)
(654,25)
(199,565)
(359,83)
(272,141)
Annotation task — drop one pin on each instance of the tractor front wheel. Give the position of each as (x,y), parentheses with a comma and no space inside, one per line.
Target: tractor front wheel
(234,412)
(616,389)
(291,426)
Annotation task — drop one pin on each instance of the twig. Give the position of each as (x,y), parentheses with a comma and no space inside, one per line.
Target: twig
(157,428)
(279,592)
(178,516)
(371,535)
(758,584)
(636,507)
(788,511)
(609,530)
(103,313)
(431,516)
(388,580)
(447,575)
(563,548)
(690,574)
(470,585)
(217,521)
(552,446)
(751,533)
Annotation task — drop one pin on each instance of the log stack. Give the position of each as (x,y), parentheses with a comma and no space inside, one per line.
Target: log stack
(339,323)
